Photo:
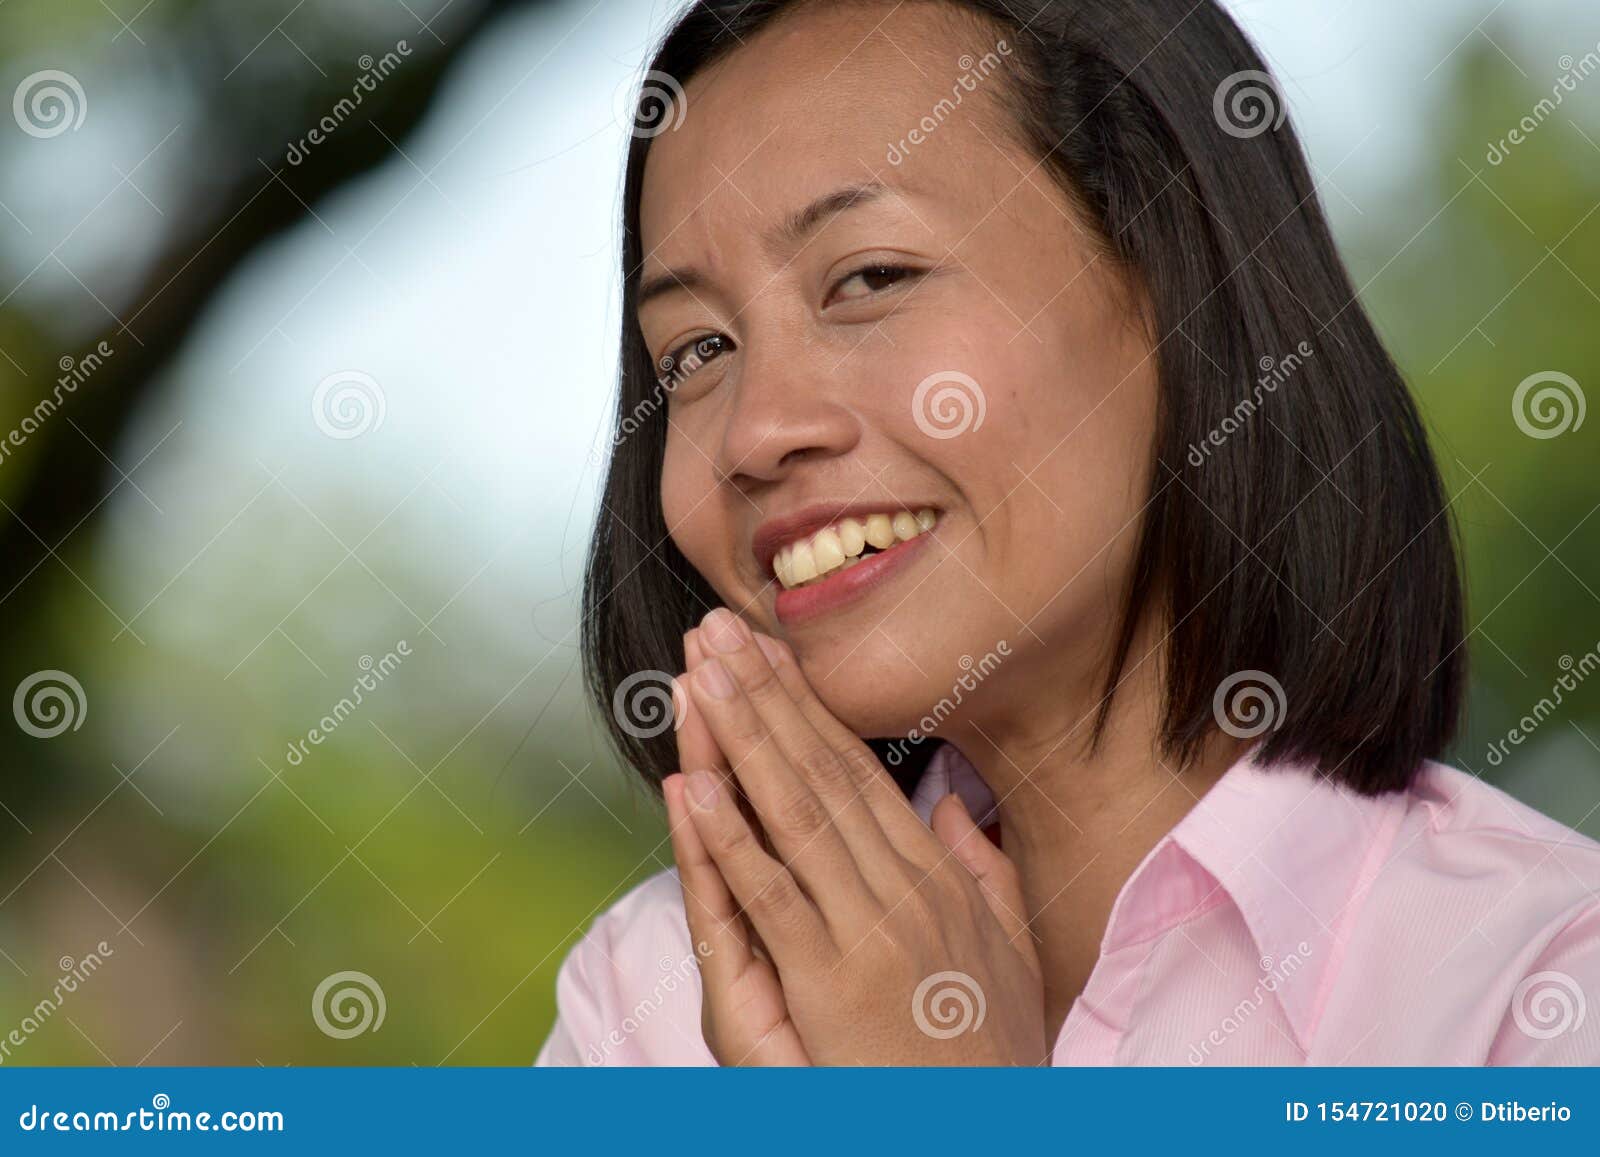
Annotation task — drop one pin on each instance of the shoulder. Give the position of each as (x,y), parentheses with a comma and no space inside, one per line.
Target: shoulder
(1491,910)
(1482,864)
(648,917)
(1457,816)
(629,991)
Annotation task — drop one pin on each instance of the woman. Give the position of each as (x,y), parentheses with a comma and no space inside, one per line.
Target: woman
(1067,602)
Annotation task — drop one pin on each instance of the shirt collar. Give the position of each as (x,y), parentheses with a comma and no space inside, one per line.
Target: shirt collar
(1293,851)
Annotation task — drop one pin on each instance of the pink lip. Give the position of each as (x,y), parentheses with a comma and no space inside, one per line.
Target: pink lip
(845,586)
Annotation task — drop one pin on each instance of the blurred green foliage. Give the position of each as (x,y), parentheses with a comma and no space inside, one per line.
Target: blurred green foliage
(1480,276)
(446,847)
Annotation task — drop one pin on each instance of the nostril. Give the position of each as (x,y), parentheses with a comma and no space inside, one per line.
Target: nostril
(773,431)
(794,457)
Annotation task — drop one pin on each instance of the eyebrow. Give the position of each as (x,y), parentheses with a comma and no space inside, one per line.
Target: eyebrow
(793,230)
(799,225)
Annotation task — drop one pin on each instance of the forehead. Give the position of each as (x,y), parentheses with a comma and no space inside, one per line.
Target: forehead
(818,100)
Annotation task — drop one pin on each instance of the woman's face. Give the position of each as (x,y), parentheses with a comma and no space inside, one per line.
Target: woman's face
(899,324)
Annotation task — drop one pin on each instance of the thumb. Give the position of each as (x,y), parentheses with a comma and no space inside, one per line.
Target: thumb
(997,876)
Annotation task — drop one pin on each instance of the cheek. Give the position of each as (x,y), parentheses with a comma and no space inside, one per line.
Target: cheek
(1058,471)
(1073,526)
(692,519)
(676,482)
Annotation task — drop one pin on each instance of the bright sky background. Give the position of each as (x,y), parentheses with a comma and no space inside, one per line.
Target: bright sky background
(476,281)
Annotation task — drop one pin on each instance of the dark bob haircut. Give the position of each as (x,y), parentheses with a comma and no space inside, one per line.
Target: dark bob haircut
(1315,545)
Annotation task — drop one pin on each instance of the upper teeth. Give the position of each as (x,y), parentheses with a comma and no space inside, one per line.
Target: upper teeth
(841,544)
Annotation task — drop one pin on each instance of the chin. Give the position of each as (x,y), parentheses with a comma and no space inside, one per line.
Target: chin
(869,694)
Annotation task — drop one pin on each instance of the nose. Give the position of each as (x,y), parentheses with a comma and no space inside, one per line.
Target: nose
(782,415)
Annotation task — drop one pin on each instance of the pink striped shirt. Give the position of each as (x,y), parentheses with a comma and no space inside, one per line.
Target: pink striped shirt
(1283,921)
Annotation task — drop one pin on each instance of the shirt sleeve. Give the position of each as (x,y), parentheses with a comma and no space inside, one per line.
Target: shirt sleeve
(629,991)
(1550,1021)
(584,998)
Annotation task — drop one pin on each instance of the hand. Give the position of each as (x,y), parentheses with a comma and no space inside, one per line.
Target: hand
(889,943)
(742,1011)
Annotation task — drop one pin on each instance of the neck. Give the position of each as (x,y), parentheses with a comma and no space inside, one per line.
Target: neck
(1077,823)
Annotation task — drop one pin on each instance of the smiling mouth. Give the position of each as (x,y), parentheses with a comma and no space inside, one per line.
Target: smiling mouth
(815,557)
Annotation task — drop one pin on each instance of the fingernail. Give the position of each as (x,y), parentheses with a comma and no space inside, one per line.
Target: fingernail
(680,702)
(713,679)
(769,648)
(725,631)
(703,789)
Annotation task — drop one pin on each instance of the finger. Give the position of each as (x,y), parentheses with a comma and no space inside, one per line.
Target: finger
(790,926)
(800,826)
(996,875)
(816,763)
(702,749)
(716,927)
(882,795)
(738,985)
(696,747)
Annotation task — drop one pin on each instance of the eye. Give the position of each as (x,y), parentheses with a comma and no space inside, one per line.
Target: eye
(685,359)
(866,281)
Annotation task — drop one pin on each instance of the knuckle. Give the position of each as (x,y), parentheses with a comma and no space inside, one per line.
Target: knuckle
(760,683)
(733,841)
(861,765)
(746,736)
(824,767)
(779,899)
(801,813)
(745,727)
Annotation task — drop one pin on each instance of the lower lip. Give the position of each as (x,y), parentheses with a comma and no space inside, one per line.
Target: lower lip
(849,585)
